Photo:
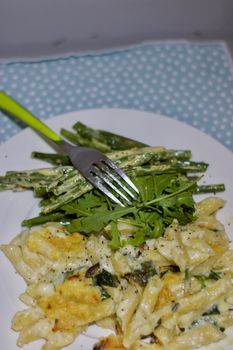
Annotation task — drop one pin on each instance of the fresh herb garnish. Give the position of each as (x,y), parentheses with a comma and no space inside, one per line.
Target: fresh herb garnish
(141,276)
(162,199)
(105,278)
(213,275)
(214,310)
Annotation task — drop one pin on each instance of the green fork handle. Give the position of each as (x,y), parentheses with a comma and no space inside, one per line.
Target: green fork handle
(9,105)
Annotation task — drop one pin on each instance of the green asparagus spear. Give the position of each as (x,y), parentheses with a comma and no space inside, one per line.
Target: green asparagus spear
(38,220)
(52,158)
(79,140)
(157,154)
(211,188)
(115,142)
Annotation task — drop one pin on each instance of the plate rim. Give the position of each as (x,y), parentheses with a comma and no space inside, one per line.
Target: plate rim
(124,110)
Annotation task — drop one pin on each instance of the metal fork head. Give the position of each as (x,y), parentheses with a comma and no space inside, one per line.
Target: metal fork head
(112,181)
(103,174)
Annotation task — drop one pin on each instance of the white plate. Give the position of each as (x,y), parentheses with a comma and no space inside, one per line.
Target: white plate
(146,127)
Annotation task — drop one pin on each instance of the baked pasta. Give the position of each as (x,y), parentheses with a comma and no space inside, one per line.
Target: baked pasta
(171,293)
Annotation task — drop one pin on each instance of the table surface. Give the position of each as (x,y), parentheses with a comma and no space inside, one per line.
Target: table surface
(191,82)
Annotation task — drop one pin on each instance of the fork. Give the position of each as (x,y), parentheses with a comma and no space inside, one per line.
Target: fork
(98,169)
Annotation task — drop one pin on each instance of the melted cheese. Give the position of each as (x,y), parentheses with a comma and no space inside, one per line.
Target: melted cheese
(56,246)
(63,301)
(76,302)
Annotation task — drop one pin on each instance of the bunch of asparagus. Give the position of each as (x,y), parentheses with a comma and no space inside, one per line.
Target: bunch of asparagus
(62,184)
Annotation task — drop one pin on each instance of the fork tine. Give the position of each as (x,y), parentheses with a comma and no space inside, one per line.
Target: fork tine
(98,184)
(88,160)
(101,175)
(111,174)
(120,173)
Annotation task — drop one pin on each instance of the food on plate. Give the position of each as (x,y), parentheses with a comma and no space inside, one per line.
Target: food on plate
(157,273)
(176,289)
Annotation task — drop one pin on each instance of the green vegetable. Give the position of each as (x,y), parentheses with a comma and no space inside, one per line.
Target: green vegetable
(105,278)
(53,158)
(212,311)
(79,140)
(113,141)
(39,220)
(209,316)
(115,242)
(213,275)
(141,276)
(148,216)
(162,177)
(156,154)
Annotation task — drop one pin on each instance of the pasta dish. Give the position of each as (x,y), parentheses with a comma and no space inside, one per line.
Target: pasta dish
(176,289)
(157,274)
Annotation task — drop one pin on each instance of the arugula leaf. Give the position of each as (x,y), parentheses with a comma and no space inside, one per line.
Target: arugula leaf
(152,223)
(136,240)
(158,229)
(115,242)
(98,219)
(162,183)
(83,206)
(163,198)
(145,186)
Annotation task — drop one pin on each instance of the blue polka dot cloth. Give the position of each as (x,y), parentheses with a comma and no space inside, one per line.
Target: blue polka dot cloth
(191,82)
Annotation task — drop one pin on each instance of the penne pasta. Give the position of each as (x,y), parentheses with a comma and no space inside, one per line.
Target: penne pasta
(171,293)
